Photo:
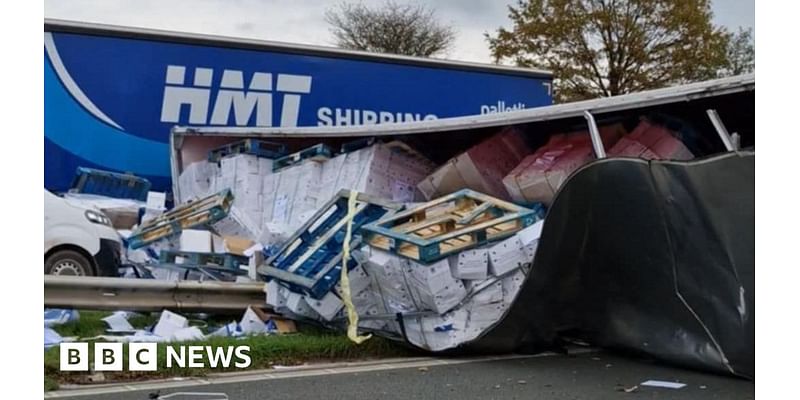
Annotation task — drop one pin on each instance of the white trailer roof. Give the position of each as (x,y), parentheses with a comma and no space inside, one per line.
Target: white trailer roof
(57,25)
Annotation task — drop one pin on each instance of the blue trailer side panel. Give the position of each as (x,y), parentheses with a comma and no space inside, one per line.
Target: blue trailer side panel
(110,101)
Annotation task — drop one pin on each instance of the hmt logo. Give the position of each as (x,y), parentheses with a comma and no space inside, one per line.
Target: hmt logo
(144,356)
(232,97)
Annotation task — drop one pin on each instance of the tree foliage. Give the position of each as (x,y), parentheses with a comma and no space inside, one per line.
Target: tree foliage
(609,47)
(406,29)
(741,53)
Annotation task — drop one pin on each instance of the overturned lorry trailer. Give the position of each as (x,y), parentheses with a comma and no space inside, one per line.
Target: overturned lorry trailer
(113,87)
(653,257)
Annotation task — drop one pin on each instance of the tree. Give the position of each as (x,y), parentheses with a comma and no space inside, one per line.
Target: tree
(405,29)
(741,53)
(608,47)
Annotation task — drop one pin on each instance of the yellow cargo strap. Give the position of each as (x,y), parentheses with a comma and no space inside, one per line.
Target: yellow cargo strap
(352,314)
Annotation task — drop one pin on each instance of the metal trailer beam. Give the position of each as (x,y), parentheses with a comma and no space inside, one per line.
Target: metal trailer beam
(150,295)
(649,98)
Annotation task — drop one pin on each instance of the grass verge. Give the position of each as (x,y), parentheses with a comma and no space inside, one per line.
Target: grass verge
(310,344)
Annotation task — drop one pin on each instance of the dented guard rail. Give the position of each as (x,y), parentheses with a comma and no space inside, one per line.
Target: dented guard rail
(150,295)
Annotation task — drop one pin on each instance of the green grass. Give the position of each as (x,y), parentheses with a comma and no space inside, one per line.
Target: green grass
(309,344)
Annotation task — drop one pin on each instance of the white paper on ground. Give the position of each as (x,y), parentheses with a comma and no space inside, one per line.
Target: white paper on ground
(138,336)
(251,323)
(663,384)
(229,330)
(51,338)
(188,333)
(169,323)
(57,316)
(118,322)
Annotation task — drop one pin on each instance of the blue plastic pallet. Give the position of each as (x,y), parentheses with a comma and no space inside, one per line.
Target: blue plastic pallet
(311,259)
(317,152)
(110,184)
(357,144)
(222,260)
(258,148)
(202,212)
(448,225)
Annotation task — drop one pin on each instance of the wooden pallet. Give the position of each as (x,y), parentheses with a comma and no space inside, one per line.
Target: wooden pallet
(258,148)
(310,261)
(319,152)
(197,213)
(224,260)
(448,225)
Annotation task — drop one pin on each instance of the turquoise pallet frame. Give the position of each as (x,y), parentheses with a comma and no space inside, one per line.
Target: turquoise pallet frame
(429,250)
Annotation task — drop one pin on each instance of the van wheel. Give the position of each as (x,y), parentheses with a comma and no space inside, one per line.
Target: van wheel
(68,263)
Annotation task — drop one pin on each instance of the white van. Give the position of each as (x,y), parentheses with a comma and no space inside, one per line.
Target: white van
(78,240)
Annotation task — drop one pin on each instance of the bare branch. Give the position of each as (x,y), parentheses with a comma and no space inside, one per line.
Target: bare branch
(396,28)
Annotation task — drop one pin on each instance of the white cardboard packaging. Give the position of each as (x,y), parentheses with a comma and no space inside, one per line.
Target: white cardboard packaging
(506,255)
(470,264)
(196,181)
(511,286)
(276,294)
(359,280)
(432,278)
(441,302)
(492,293)
(274,234)
(327,307)
(168,323)
(194,240)
(239,165)
(264,166)
(251,323)
(298,305)
(237,223)
(529,237)
(433,285)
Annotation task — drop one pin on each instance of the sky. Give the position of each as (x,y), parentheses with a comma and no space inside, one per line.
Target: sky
(302,21)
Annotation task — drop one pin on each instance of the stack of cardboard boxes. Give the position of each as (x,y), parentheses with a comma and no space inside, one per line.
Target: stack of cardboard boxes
(481,168)
(651,141)
(197,181)
(268,206)
(538,176)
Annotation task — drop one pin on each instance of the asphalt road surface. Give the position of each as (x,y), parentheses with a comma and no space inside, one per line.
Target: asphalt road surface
(585,376)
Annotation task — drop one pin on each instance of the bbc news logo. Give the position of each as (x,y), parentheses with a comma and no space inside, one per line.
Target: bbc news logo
(144,356)
(232,97)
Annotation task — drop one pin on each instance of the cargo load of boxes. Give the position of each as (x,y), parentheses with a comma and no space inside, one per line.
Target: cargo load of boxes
(433,254)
